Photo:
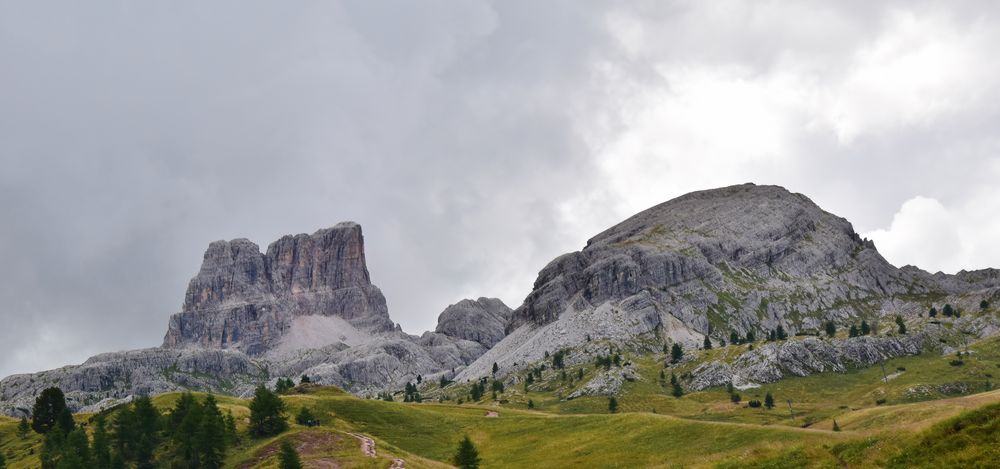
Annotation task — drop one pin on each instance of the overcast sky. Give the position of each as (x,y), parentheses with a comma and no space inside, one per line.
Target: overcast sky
(474,141)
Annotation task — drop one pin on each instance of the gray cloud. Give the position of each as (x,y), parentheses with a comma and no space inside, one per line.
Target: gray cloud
(474,141)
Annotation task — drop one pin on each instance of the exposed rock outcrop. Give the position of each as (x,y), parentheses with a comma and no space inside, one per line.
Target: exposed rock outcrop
(740,259)
(483,320)
(306,307)
(246,300)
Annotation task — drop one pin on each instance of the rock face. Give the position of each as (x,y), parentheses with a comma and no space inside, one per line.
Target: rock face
(738,259)
(305,307)
(483,320)
(246,300)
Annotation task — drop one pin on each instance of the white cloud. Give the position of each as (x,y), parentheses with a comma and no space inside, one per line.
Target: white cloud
(935,237)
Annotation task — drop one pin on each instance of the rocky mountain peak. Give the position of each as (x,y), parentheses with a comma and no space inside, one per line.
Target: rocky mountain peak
(483,320)
(244,299)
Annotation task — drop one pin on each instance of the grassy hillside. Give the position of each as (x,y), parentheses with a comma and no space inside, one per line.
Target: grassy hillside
(914,419)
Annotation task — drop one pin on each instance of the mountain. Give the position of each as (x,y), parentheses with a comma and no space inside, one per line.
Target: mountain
(305,307)
(735,260)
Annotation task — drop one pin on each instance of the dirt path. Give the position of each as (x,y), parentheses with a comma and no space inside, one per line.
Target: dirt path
(367,444)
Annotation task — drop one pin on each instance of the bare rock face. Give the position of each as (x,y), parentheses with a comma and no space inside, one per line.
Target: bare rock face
(740,259)
(247,300)
(483,320)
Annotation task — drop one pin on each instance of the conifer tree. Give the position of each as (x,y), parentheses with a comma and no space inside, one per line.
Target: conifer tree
(305,417)
(676,390)
(3,462)
(267,413)
(496,368)
(288,458)
(948,310)
(23,428)
(676,353)
(865,328)
(984,304)
(211,436)
(531,404)
(750,337)
(101,447)
(933,312)
(853,331)
(467,456)
(901,326)
(48,408)
(707,345)
(612,404)
(734,338)
(305,379)
(780,333)
(769,400)
(831,329)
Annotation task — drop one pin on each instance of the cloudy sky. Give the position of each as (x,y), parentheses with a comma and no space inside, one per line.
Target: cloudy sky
(474,141)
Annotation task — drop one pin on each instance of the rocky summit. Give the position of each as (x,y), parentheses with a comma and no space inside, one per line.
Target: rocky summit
(714,265)
(305,307)
(247,300)
(738,260)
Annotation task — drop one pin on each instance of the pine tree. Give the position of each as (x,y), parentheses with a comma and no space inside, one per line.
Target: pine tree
(984,304)
(949,311)
(769,400)
(420,379)
(288,458)
(101,447)
(267,413)
(831,329)
(933,312)
(3,462)
(707,345)
(780,333)
(147,426)
(673,379)
(750,337)
(305,379)
(865,328)
(232,436)
(676,390)
(729,387)
(853,331)
(211,436)
(496,368)
(47,409)
(676,353)
(305,417)
(734,338)
(901,326)
(23,428)
(467,456)
(663,375)
(531,404)
(612,404)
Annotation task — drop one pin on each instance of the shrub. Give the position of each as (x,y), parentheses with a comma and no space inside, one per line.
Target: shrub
(956,362)
(754,403)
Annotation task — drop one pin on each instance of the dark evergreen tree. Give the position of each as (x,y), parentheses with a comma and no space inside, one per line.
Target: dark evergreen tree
(306,417)
(780,333)
(865,328)
(707,344)
(612,404)
(467,456)
(23,427)
(729,387)
(211,436)
(734,338)
(557,360)
(496,368)
(305,379)
(288,458)
(900,325)
(232,436)
(48,407)
(735,397)
(676,390)
(933,312)
(579,374)
(750,337)
(3,462)
(831,329)
(769,400)
(283,385)
(101,447)
(676,353)
(52,448)
(772,336)
(267,413)
(949,311)
(146,438)
(420,379)
(531,404)
(673,379)
(984,304)
(853,331)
